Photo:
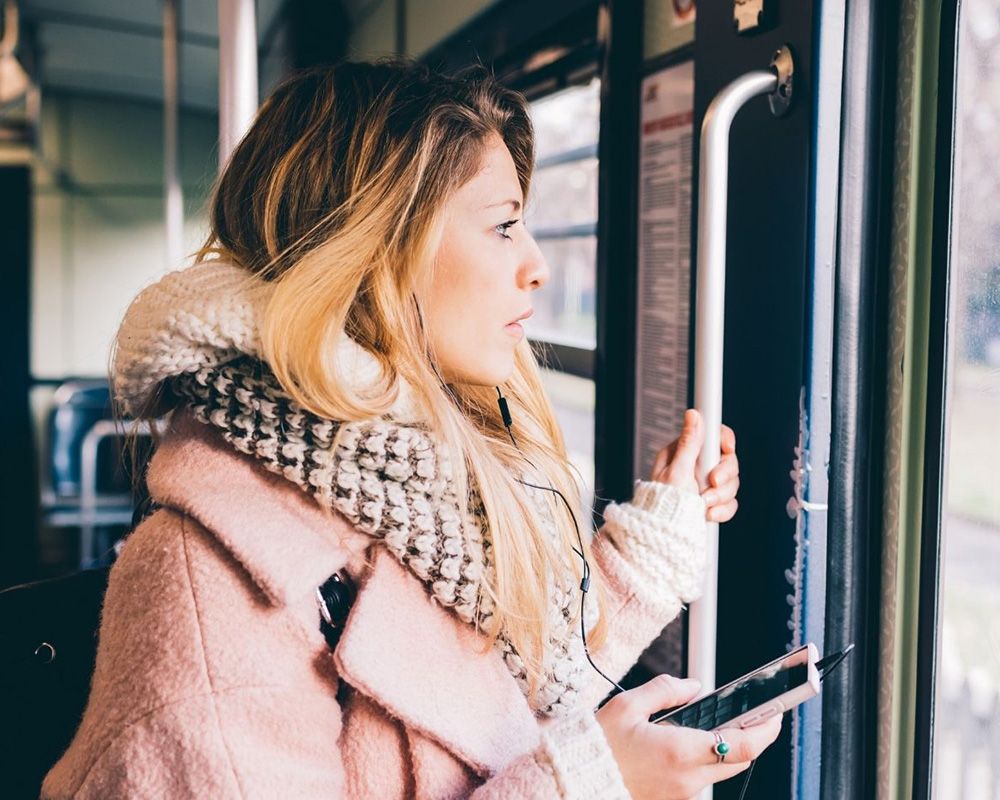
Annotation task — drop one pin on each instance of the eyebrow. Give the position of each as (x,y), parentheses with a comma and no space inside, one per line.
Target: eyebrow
(515,203)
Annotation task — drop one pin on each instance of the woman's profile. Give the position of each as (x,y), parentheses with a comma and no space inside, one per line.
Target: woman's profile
(331,371)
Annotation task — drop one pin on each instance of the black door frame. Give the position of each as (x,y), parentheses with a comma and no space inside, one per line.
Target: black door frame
(19,498)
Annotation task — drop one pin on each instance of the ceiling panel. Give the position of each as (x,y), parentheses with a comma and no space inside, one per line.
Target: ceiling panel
(198,17)
(115,46)
(135,12)
(100,61)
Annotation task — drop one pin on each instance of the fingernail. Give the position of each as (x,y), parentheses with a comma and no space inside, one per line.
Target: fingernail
(710,498)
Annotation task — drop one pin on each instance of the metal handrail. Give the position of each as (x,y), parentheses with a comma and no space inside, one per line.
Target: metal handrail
(713,191)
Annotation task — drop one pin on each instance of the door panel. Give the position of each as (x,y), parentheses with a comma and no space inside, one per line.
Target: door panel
(770,225)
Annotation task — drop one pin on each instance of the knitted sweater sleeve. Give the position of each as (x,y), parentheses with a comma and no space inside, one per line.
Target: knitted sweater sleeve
(573,762)
(651,552)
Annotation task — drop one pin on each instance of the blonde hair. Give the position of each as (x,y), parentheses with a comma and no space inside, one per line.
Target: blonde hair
(334,194)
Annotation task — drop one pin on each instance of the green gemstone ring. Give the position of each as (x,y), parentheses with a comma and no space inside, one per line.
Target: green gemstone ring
(721,746)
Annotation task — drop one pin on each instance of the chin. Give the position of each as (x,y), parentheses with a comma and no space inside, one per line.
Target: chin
(493,373)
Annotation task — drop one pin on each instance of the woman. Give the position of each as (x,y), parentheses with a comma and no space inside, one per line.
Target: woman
(332,366)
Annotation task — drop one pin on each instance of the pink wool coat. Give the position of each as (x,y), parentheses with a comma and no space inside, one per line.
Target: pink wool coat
(214,681)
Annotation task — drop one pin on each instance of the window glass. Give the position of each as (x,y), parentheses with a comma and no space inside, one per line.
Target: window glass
(967,714)
(564,194)
(573,399)
(566,313)
(561,213)
(567,119)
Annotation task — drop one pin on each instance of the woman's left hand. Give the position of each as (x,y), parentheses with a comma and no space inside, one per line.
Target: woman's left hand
(676,464)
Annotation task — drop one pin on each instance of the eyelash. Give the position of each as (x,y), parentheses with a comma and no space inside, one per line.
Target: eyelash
(505,226)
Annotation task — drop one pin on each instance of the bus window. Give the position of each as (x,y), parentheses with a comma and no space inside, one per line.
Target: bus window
(967,716)
(561,214)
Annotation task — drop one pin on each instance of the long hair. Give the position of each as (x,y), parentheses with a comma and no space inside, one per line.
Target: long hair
(335,195)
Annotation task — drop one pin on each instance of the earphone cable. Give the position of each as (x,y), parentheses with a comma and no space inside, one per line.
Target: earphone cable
(585,580)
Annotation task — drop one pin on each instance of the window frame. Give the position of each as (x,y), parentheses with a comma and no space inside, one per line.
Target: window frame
(936,420)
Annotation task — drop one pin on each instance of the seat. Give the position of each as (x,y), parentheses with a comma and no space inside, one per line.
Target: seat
(48,644)
(88,484)
(76,406)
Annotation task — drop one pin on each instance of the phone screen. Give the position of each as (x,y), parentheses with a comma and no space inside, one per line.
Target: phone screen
(741,696)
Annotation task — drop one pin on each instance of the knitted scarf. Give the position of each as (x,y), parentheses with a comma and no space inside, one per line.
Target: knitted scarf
(392,481)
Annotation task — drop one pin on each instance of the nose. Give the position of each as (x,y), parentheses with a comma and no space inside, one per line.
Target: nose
(534,272)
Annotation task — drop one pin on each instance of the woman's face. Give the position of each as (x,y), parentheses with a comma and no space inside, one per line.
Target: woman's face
(487,267)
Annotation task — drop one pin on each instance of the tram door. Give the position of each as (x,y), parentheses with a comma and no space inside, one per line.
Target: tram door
(782,190)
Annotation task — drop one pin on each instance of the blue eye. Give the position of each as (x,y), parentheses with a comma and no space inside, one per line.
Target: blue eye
(503,226)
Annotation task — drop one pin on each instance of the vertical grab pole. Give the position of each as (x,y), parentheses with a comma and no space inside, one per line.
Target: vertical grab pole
(709,328)
(174,197)
(237,73)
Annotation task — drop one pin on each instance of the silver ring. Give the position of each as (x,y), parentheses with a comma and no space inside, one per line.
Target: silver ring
(721,746)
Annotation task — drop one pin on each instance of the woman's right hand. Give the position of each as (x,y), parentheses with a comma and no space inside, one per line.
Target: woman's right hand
(668,762)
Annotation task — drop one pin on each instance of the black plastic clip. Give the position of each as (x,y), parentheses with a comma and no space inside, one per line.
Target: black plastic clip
(335,598)
(831,662)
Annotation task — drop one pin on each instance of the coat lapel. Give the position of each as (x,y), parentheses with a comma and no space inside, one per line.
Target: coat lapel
(408,654)
(287,543)
(432,671)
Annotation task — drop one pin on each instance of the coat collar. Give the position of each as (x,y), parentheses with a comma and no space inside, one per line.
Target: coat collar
(410,655)
(287,543)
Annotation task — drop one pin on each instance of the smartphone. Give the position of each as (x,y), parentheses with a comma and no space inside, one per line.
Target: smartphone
(773,689)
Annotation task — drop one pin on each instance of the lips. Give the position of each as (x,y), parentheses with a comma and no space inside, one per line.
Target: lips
(525,315)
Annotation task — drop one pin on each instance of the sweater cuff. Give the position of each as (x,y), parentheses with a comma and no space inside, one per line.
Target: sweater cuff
(662,534)
(665,501)
(581,759)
